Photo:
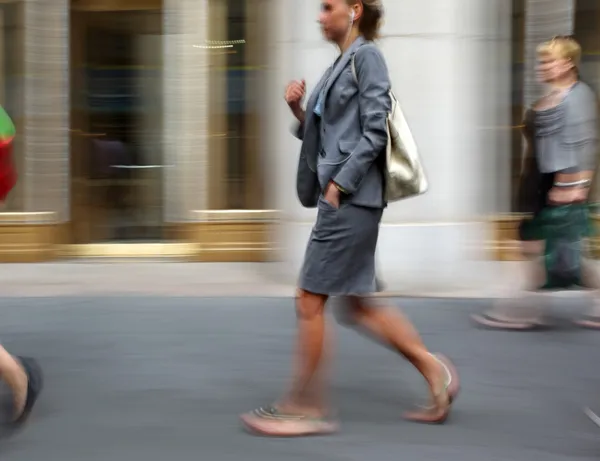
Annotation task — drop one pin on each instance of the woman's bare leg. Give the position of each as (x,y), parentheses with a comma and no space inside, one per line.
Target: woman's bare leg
(591,279)
(391,328)
(306,393)
(303,410)
(15,377)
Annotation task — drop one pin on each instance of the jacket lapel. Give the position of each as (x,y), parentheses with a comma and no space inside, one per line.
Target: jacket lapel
(311,135)
(342,63)
(309,151)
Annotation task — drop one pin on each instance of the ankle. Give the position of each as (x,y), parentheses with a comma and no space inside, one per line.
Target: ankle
(438,375)
(301,409)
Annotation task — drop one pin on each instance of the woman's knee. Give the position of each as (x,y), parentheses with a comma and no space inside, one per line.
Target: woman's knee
(309,305)
(351,312)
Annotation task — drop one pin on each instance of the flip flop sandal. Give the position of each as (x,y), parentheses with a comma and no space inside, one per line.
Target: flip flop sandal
(590,322)
(490,321)
(35,383)
(270,422)
(592,415)
(452,388)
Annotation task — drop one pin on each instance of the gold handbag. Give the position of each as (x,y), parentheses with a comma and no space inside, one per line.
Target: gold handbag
(404,174)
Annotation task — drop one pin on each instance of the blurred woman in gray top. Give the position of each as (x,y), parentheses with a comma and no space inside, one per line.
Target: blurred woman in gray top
(561,131)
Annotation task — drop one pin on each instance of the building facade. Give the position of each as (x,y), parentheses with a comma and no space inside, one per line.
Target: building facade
(157,127)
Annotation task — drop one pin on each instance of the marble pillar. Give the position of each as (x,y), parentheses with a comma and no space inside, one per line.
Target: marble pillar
(185,119)
(46,161)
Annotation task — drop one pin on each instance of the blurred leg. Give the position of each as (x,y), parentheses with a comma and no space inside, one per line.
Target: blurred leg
(392,329)
(519,309)
(307,390)
(303,411)
(591,279)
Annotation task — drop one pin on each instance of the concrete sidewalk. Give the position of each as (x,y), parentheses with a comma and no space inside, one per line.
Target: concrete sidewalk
(166,278)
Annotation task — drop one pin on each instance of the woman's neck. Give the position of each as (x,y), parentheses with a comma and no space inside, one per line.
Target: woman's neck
(344,44)
(563,84)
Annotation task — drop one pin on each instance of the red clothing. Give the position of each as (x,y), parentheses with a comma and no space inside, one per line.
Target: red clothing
(8,173)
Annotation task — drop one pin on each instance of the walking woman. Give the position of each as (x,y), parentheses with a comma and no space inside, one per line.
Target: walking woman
(22,375)
(344,133)
(561,130)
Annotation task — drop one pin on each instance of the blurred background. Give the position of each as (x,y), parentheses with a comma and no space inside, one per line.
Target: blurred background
(152,128)
(154,132)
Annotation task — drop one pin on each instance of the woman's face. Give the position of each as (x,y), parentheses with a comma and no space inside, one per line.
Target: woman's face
(552,67)
(334,19)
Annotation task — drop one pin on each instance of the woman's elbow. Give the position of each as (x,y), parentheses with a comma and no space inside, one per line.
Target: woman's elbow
(378,136)
(298,131)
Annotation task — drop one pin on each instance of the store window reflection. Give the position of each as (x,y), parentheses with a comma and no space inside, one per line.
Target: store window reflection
(587,32)
(116,115)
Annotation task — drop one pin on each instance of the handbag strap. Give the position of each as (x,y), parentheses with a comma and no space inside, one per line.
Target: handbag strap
(355,75)
(353,66)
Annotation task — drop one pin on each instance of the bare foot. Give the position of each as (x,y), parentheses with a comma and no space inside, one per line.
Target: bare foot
(443,396)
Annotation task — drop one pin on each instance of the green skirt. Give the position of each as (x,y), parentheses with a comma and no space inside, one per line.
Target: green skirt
(565,230)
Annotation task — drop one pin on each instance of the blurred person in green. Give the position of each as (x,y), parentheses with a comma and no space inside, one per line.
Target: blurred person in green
(22,375)
(561,133)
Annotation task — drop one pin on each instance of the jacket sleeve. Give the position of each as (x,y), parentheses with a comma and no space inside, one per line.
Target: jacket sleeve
(374,106)
(298,130)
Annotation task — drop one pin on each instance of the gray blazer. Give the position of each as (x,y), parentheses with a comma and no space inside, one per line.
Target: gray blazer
(352,133)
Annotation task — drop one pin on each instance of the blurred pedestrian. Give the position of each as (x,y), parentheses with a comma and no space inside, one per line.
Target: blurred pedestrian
(22,375)
(341,172)
(561,131)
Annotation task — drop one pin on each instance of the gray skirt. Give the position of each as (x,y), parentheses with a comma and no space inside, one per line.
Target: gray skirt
(340,256)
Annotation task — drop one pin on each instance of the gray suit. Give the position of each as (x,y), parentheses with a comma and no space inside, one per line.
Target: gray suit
(346,143)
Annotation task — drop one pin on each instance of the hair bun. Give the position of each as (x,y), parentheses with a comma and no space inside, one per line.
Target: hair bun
(372,18)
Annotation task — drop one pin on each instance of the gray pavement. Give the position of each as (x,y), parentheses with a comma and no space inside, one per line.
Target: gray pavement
(157,378)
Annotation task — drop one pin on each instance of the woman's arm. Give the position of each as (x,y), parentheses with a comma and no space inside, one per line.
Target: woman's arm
(374,105)
(298,129)
(527,155)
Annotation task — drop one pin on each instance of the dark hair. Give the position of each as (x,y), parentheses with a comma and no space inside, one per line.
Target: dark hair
(371,19)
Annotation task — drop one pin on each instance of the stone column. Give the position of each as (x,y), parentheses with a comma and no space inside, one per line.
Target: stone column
(47,108)
(186,92)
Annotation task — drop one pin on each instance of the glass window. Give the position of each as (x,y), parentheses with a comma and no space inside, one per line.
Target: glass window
(518,78)
(587,32)
(116,116)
